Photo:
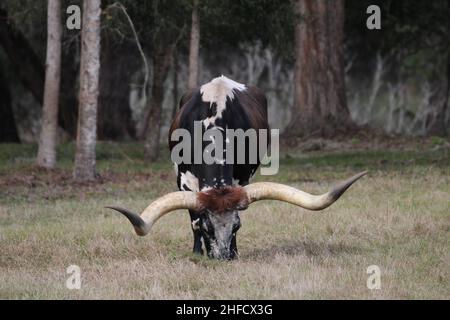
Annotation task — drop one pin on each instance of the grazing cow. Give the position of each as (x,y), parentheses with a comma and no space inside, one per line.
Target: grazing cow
(214,193)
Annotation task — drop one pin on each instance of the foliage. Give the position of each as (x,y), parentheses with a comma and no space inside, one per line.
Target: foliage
(157,22)
(230,23)
(417,29)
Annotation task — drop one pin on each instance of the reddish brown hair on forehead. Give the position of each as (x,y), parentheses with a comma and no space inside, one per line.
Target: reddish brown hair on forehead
(224,199)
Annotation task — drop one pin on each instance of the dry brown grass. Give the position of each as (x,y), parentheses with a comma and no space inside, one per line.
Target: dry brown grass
(397,218)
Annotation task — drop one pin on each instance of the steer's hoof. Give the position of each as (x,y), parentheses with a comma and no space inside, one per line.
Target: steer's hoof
(198,251)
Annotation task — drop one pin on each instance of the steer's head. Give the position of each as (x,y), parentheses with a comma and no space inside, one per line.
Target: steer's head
(219,220)
(219,233)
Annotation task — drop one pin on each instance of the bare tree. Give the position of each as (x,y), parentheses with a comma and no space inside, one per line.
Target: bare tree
(84,169)
(175,93)
(256,63)
(364,111)
(320,104)
(194,47)
(439,124)
(162,58)
(161,65)
(47,141)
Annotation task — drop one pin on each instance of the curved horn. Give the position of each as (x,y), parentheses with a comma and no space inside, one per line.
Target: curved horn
(276,191)
(161,206)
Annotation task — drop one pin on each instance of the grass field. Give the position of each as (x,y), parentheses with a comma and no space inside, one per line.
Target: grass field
(397,217)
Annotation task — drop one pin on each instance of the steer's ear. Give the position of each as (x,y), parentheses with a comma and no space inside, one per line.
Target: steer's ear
(196,224)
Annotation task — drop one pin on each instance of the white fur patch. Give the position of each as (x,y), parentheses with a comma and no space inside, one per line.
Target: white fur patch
(195,225)
(189,180)
(217,91)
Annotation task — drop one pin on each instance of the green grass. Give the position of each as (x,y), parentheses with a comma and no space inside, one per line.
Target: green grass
(397,217)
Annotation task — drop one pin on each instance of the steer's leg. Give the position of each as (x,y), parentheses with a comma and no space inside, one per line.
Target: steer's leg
(197,234)
(234,250)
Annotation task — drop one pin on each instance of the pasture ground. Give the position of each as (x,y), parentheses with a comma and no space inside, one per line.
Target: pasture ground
(397,217)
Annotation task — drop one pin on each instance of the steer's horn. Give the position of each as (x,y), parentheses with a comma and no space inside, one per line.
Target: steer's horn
(276,191)
(170,202)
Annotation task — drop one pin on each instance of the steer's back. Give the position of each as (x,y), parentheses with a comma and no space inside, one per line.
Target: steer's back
(224,104)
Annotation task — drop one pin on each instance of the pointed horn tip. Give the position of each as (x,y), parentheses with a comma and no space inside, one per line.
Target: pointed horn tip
(363,173)
(358,175)
(136,220)
(123,211)
(342,187)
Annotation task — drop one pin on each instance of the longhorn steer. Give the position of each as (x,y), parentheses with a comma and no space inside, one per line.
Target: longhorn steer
(215,193)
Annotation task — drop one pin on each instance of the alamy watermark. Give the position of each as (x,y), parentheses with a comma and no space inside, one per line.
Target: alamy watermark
(73,282)
(227,146)
(374,279)
(374,20)
(73,21)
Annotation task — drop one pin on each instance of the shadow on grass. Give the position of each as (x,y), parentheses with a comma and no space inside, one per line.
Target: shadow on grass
(301,248)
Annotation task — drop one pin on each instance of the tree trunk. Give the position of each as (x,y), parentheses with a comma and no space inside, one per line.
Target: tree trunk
(68,94)
(114,112)
(47,142)
(175,84)
(320,104)
(194,47)
(161,64)
(84,169)
(447,97)
(8,128)
(439,125)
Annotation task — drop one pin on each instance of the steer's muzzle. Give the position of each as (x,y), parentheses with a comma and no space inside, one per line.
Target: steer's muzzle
(219,233)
